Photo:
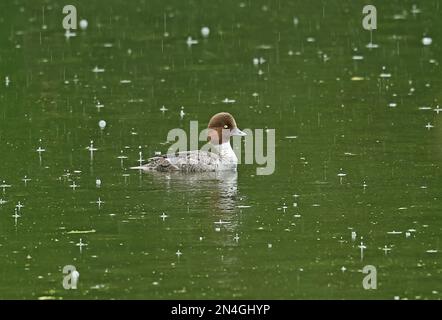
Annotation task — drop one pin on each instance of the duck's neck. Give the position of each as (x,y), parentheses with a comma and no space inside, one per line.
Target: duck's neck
(226,152)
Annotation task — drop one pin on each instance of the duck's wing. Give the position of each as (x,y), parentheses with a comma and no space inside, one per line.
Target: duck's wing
(186,161)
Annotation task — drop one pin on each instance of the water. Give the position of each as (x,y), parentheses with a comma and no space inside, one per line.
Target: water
(354,152)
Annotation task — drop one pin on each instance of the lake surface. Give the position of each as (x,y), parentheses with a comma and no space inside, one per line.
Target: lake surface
(358,150)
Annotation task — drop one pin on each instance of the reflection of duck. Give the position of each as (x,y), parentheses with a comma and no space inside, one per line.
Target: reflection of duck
(222,187)
(221,126)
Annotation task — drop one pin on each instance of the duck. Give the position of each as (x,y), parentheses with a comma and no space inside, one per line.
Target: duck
(221,157)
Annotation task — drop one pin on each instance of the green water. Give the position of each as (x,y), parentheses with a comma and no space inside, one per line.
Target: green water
(283,236)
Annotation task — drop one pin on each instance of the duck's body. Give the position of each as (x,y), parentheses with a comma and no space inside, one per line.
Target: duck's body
(221,157)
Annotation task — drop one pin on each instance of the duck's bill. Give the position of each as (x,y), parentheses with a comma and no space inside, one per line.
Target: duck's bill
(237,132)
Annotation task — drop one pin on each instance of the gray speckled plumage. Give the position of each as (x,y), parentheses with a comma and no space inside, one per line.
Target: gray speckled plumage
(186,161)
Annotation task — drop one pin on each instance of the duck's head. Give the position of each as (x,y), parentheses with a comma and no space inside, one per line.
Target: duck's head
(221,127)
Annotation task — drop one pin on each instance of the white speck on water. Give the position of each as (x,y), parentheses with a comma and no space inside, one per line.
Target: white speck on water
(385,75)
(372,45)
(362,247)
(68,34)
(16,216)
(415,10)
(102,124)
(80,244)
(437,109)
(99,202)
(91,149)
(83,24)
(227,100)
(140,156)
(426,41)
(353,235)
(341,175)
(258,61)
(221,222)
(97,70)
(19,205)
(74,186)
(99,106)
(190,42)
(386,249)
(205,31)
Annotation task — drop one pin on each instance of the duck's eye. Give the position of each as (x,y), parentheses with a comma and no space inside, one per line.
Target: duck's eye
(226,126)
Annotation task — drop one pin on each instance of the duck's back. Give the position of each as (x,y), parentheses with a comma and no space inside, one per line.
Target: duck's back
(186,161)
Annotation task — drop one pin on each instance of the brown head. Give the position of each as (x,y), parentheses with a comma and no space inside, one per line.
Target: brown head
(221,127)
